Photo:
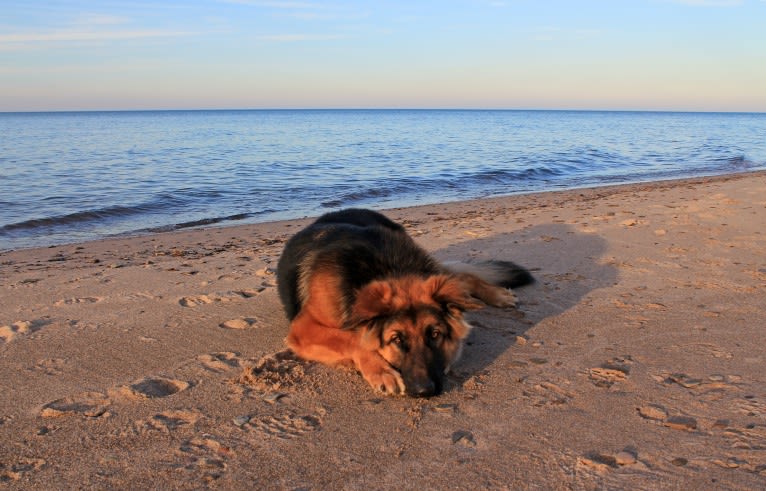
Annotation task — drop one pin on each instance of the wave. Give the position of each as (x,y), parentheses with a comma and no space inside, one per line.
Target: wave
(205,221)
(163,203)
(76,218)
(509,180)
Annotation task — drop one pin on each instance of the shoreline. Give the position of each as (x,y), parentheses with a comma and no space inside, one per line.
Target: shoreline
(607,188)
(158,360)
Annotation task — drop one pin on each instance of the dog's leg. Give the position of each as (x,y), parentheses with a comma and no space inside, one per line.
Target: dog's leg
(311,340)
(488,293)
(378,373)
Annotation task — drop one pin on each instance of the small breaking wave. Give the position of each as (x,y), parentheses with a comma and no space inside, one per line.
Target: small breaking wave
(205,221)
(163,203)
(498,180)
(70,219)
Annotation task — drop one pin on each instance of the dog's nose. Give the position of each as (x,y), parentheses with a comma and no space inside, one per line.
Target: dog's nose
(422,389)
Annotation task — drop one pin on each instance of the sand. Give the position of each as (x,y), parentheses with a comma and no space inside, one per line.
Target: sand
(636,360)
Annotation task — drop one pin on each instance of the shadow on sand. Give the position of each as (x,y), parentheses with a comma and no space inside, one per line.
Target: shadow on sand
(567,266)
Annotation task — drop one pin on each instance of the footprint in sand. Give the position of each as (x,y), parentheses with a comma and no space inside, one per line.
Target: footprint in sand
(143,296)
(655,412)
(50,366)
(196,300)
(250,292)
(168,421)
(268,274)
(10,332)
(220,362)
(240,323)
(546,393)
(283,426)
(153,387)
(88,404)
(78,300)
(97,404)
(603,462)
(207,456)
(17,470)
(275,372)
(751,406)
(611,371)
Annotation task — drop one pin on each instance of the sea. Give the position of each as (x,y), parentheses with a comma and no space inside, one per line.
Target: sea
(68,177)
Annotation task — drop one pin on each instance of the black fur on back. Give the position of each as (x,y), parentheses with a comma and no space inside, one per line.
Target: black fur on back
(361,245)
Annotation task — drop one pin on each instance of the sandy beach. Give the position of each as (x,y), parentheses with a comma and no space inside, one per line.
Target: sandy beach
(635,362)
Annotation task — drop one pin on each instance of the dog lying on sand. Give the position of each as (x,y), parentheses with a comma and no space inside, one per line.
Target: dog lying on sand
(358,290)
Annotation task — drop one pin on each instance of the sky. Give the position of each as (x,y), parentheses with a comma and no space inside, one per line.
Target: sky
(685,55)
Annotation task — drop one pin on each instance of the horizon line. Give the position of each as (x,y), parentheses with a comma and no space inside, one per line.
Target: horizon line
(318,109)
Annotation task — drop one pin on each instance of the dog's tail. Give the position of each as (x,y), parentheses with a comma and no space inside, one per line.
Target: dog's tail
(501,273)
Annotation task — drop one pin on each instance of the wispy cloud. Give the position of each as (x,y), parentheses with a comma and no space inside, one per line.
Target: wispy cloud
(95,19)
(294,38)
(20,42)
(309,11)
(74,36)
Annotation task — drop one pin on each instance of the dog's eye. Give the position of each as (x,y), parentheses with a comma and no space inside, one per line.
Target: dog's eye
(395,339)
(435,333)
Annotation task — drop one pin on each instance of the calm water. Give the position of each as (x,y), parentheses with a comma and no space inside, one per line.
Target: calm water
(69,177)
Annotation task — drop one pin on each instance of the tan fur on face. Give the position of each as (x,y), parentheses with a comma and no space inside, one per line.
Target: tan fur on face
(415,335)
(411,321)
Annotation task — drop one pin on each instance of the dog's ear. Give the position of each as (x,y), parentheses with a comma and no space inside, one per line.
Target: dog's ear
(452,295)
(373,303)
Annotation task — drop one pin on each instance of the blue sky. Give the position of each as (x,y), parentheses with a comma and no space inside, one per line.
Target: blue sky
(691,55)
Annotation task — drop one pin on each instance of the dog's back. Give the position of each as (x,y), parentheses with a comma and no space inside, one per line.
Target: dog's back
(358,246)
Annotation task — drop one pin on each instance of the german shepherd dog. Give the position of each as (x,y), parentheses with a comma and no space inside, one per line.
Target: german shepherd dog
(359,291)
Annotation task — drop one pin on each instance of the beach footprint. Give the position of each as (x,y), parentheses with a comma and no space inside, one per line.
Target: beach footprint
(240,323)
(611,371)
(20,328)
(18,468)
(50,366)
(168,421)
(153,387)
(546,393)
(196,300)
(77,301)
(224,297)
(220,362)
(206,456)
(283,426)
(86,404)
(278,371)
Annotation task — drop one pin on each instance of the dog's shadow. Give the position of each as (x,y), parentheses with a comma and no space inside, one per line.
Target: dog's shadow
(566,266)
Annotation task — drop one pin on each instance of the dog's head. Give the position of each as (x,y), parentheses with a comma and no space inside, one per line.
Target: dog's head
(416,325)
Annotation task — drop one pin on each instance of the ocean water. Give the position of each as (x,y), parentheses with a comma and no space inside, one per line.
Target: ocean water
(71,177)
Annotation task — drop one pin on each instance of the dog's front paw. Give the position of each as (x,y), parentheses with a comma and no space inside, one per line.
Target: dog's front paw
(379,374)
(502,297)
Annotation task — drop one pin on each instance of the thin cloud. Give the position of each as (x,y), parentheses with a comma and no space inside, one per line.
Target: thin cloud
(76,36)
(93,19)
(296,38)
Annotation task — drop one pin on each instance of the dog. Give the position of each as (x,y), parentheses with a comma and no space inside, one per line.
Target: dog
(359,291)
